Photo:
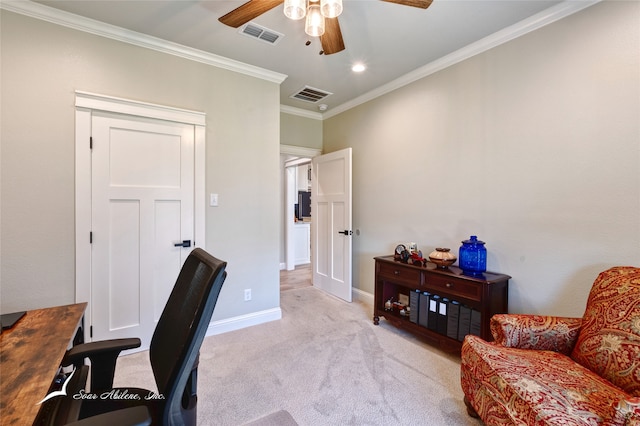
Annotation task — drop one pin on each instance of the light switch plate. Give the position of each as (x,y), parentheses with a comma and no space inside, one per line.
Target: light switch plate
(213,200)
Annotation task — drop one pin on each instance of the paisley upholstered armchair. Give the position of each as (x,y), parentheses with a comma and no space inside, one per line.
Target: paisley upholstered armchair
(543,370)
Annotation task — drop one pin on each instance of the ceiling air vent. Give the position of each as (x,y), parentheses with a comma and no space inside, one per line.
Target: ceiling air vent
(261,33)
(310,94)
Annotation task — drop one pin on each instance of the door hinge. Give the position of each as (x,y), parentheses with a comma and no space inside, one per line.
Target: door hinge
(91,331)
(90,142)
(90,237)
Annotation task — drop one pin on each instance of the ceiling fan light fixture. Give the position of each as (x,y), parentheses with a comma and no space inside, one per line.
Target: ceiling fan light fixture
(295,9)
(314,25)
(331,8)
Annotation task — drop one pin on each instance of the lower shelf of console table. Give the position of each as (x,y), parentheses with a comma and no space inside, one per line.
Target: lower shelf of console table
(480,296)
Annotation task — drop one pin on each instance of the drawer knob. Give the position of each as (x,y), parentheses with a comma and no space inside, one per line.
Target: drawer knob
(449,285)
(396,272)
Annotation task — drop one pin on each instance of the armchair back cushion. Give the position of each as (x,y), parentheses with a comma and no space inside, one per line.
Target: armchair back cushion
(609,339)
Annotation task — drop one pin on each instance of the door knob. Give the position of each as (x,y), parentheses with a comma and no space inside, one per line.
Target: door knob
(184,243)
(345,232)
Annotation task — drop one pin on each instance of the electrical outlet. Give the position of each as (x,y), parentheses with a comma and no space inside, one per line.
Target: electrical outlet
(247,294)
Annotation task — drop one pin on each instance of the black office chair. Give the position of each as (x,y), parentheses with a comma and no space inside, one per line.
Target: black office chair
(173,352)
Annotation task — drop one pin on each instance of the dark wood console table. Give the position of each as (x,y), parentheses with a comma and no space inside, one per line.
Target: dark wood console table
(486,295)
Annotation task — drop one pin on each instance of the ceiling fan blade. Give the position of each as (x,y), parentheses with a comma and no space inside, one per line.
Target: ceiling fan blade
(422,4)
(248,11)
(331,40)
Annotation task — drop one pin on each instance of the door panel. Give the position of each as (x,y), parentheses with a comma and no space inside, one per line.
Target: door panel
(339,248)
(142,205)
(320,240)
(161,154)
(122,290)
(166,228)
(331,217)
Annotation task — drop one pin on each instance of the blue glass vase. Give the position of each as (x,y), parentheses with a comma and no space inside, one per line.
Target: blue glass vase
(472,257)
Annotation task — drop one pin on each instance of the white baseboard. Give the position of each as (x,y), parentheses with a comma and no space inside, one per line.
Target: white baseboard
(255,318)
(243,321)
(362,296)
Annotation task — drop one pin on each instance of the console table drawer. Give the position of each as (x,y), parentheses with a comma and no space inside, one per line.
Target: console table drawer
(466,289)
(404,274)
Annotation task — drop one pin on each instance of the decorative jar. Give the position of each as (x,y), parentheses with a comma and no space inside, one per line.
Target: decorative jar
(442,257)
(473,256)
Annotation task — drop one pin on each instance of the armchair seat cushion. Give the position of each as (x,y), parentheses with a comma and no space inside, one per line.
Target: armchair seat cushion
(544,370)
(521,386)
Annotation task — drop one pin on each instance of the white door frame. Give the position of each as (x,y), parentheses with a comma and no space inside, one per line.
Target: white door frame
(85,104)
(289,185)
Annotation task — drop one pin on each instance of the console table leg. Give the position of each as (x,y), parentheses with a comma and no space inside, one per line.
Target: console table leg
(376,320)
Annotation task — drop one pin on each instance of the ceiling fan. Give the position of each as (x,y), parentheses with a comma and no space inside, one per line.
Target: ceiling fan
(330,38)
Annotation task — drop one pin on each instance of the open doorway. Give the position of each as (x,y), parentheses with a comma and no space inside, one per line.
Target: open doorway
(298,272)
(295,252)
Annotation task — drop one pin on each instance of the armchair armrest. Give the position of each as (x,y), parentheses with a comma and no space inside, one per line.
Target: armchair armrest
(537,332)
(103,356)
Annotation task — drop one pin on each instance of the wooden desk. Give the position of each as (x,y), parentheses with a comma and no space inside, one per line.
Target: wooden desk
(30,354)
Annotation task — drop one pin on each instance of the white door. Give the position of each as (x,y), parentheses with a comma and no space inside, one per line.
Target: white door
(142,208)
(331,223)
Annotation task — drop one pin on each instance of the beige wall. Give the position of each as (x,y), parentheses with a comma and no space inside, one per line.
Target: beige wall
(42,65)
(534,146)
(298,130)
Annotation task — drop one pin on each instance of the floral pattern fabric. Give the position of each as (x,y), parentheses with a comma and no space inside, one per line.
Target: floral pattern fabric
(537,332)
(534,372)
(510,386)
(609,342)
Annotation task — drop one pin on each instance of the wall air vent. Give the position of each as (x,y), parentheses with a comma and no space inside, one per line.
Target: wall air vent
(260,33)
(310,94)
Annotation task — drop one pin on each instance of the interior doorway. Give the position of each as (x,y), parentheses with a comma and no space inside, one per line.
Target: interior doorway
(298,224)
(294,271)
(291,157)
(330,179)
(159,123)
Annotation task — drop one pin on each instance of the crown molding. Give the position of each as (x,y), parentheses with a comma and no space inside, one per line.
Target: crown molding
(537,21)
(299,151)
(300,112)
(100,102)
(70,20)
(49,14)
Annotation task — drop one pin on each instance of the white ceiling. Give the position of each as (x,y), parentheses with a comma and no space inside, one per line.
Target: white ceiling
(392,40)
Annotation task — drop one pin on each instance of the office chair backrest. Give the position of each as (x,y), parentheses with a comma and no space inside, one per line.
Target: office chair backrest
(176,341)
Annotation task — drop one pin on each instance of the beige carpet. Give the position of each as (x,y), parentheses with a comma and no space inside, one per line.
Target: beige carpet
(325,363)
(279,418)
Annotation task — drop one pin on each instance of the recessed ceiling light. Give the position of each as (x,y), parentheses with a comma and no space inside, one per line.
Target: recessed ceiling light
(358,68)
